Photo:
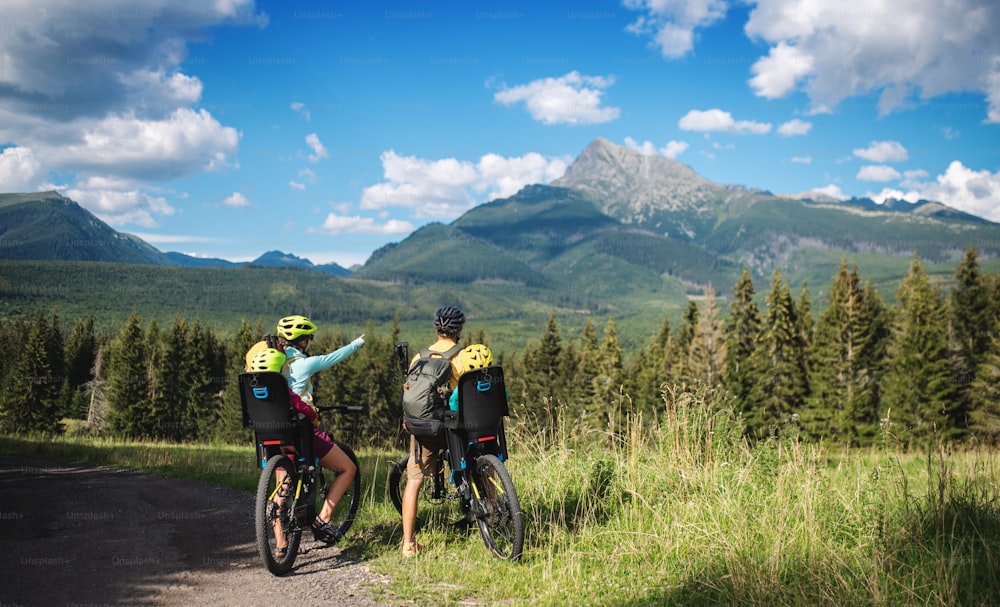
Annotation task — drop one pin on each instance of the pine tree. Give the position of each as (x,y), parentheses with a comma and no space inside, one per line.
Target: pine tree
(984,411)
(588,368)
(682,345)
(204,372)
(168,400)
(782,387)
(920,394)
(97,408)
(648,371)
(81,349)
(12,335)
(127,382)
(707,352)
(806,324)
(55,353)
(742,328)
(972,312)
(547,360)
(607,382)
(34,388)
(229,425)
(847,359)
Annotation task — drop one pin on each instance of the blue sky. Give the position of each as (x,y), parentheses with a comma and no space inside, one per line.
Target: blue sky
(328,129)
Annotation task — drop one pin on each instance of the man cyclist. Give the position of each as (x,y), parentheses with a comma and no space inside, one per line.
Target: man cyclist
(448,323)
(295,335)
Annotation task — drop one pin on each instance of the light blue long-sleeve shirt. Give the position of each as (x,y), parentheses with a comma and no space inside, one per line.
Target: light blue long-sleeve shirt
(301,370)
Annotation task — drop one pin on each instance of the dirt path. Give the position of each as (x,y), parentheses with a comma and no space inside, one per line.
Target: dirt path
(85,535)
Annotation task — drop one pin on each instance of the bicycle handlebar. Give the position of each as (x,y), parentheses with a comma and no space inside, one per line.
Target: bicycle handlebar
(343,408)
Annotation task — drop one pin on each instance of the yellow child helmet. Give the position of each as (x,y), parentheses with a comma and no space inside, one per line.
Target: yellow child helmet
(268,359)
(476,356)
(294,327)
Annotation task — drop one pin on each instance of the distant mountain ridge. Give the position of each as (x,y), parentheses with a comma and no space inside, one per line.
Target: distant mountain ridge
(48,226)
(615,217)
(618,217)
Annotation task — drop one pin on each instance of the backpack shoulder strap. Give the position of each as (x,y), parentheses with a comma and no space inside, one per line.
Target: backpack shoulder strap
(452,352)
(449,353)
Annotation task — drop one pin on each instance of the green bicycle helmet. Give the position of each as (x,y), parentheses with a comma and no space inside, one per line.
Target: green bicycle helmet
(268,359)
(292,328)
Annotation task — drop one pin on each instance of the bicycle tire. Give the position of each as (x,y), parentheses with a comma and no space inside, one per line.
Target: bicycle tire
(270,515)
(497,508)
(397,482)
(347,508)
(432,491)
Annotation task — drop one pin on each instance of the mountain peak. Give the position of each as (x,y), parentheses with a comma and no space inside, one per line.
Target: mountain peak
(282,259)
(638,188)
(607,158)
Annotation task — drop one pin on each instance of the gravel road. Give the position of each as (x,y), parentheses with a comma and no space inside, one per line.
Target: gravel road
(88,536)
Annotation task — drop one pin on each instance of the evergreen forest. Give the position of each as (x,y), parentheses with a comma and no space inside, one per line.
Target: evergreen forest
(925,368)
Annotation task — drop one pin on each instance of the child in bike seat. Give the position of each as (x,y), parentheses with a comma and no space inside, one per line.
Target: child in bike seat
(330,455)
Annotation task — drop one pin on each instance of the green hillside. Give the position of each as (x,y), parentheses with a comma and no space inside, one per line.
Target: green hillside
(46,225)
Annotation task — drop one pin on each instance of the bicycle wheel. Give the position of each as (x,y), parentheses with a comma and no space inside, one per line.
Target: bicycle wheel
(274,521)
(433,492)
(497,509)
(347,507)
(397,482)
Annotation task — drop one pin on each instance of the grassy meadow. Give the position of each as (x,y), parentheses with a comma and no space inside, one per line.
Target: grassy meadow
(679,510)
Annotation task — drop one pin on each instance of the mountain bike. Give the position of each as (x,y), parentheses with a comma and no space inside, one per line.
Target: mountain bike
(292,485)
(472,461)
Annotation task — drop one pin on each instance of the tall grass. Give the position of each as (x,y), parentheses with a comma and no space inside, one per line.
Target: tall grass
(682,510)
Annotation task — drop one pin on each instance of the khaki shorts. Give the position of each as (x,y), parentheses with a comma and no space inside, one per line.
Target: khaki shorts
(423,461)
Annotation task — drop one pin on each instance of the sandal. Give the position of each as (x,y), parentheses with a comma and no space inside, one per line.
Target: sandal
(325,532)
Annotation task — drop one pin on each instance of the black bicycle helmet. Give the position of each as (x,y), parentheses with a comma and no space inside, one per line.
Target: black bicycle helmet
(449,319)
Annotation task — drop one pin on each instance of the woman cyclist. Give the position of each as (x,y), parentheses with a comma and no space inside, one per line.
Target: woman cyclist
(295,335)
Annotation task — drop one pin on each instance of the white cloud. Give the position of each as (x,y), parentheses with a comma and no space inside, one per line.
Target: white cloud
(673,149)
(237,200)
(19,170)
(962,188)
(155,238)
(902,50)
(183,143)
(319,150)
(894,193)
(98,94)
(295,185)
(570,99)
(718,120)
(976,192)
(672,24)
(445,188)
(119,202)
(106,54)
(833,191)
(802,159)
(878,172)
(500,177)
(780,72)
(301,108)
(338,224)
(883,151)
(913,178)
(794,127)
